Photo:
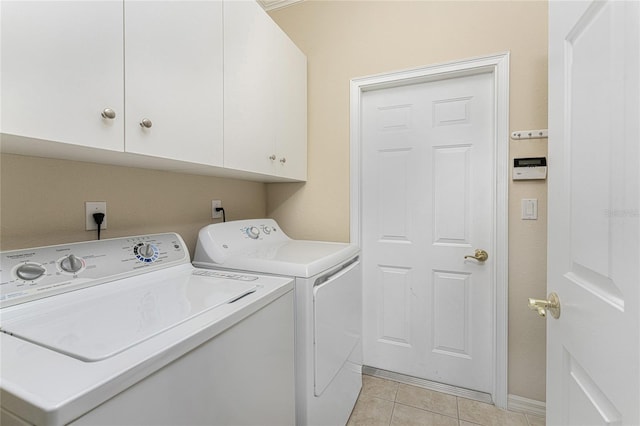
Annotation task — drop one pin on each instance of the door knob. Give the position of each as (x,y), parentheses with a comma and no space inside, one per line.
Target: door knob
(480,255)
(542,306)
(146,123)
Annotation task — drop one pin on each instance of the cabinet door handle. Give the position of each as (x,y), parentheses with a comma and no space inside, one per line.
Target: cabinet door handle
(283,160)
(146,123)
(108,113)
(272,157)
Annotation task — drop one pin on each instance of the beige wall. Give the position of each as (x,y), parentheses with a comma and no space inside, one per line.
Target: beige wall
(348,39)
(42,201)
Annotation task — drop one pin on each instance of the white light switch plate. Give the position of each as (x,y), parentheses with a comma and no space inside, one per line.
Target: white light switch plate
(530,209)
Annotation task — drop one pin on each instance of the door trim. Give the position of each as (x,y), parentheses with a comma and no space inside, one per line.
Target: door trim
(498,65)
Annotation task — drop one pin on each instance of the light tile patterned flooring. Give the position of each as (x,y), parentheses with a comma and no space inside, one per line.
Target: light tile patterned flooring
(384,402)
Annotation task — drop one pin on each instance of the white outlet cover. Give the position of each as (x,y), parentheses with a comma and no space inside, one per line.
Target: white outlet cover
(214,205)
(92,207)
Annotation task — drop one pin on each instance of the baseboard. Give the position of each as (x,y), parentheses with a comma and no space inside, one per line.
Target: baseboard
(526,405)
(427,384)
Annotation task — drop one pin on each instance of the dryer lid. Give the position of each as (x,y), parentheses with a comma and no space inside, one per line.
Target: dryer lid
(99,322)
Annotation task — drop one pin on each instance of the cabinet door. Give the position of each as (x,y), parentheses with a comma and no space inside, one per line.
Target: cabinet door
(250,79)
(173,78)
(62,66)
(291,106)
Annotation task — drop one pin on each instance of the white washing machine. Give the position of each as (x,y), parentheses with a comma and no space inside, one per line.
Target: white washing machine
(126,331)
(328,300)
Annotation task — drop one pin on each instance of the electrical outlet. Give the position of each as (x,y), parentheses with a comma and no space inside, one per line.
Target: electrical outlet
(216,204)
(92,207)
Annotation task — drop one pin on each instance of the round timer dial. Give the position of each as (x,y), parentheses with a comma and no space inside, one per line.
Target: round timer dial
(253,232)
(146,252)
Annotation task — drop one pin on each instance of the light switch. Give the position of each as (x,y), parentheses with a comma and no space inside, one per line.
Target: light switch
(530,209)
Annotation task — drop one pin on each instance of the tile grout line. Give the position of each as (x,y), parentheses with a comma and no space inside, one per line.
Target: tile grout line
(395,401)
(426,410)
(392,411)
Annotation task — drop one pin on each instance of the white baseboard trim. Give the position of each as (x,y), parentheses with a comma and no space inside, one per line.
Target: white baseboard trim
(526,405)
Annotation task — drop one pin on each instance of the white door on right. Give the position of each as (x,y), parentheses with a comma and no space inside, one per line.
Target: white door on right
(593,349)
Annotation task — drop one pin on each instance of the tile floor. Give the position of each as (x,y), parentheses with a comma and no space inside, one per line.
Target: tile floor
(384,402)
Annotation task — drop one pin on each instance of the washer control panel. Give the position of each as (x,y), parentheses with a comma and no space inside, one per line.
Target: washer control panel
(44,271)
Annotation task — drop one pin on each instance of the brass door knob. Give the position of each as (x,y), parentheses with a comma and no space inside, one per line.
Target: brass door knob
(480,255)
(543,306)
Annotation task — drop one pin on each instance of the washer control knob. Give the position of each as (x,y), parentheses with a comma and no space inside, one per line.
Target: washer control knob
(146,250)
(71,264)
(30,271)
(253,232)
(266,230)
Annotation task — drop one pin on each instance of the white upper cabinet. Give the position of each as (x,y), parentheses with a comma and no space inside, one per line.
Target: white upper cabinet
(152,84)
(64,64)
(265,95)
(291,107)
(62,67)
(173,80)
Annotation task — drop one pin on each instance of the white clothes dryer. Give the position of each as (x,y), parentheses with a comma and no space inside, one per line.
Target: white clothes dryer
(328,305)
(126,331)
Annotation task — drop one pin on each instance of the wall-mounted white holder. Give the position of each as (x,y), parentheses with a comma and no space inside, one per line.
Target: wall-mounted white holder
(530,134)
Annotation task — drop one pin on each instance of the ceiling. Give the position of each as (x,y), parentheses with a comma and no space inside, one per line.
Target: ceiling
(276,4)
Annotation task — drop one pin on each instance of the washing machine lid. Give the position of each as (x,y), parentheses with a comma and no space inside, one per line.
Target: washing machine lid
(101,321)
(294,258)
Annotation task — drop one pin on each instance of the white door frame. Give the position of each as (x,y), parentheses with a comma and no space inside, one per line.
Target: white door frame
(498,65)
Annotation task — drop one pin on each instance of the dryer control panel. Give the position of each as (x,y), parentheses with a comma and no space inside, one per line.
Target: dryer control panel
(256,230)
(219,240)
(30,274)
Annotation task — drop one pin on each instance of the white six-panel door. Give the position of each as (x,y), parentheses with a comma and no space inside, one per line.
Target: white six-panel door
(593,349)
(427,201)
